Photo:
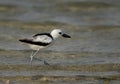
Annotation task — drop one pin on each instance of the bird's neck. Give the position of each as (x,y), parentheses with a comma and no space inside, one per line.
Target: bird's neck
(55,36)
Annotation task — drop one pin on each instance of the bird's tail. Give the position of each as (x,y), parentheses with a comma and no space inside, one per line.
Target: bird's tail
(25,40)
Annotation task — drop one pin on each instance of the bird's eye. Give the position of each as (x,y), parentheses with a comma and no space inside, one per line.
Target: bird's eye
(60,32)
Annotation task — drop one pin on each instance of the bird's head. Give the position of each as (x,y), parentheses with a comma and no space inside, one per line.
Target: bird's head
(58,32)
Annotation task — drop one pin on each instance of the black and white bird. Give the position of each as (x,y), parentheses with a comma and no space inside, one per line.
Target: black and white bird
(43,40)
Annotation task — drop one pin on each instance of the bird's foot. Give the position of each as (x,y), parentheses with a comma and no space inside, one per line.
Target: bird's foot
(46,63)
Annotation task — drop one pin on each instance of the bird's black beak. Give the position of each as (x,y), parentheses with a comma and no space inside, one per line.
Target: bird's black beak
(66,36)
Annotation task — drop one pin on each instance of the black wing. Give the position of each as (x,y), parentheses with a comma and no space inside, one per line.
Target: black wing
(30,41)
(40,34)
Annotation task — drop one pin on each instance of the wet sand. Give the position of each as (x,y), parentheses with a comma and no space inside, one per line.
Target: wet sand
(64,68)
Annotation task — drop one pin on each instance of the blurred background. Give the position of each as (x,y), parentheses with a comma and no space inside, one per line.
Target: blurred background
(94,26)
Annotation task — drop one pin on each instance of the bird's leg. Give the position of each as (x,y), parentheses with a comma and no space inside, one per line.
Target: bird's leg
(33,54)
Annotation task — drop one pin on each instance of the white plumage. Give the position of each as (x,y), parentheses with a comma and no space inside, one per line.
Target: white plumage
(43,38)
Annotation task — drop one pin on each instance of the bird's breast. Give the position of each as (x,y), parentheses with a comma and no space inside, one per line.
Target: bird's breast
(36,47)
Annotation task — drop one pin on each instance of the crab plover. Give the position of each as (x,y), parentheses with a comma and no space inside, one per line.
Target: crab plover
(42,40)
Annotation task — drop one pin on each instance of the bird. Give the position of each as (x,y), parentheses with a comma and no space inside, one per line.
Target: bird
(43,40)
